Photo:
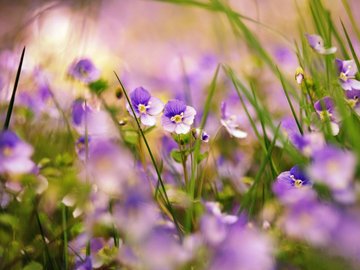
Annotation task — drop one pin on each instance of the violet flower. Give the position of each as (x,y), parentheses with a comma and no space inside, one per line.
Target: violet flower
(325,109)
(178,117)
(231,122)
(306,143)
(352,98)
(145,106)
(244,248)
(14,154)
(311,221)
(293,186)
(347,70)
(333,167)
(317,44)
(84,70)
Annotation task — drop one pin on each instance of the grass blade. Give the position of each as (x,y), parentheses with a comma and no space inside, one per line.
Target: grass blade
(12,100)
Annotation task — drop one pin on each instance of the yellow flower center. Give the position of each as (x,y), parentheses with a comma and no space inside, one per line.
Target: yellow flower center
(352,102)
(7,151)
(177,118)
(343,76)
(298,183)
(324,115)
(142,108)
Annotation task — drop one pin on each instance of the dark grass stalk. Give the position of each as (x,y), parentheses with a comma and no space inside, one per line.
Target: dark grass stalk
(160,181)
(47,252)
(12,100)
(194,165)
(65,236)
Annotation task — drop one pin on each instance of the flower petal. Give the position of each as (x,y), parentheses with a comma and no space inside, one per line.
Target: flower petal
(155,106)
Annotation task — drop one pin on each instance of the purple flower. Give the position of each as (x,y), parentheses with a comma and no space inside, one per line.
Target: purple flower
(325,109)
(316,42)
(178,117)
(307,143)
(84,70)
(84,265)
(145,106)
(311,221)
(14,154)
(244,248)
(352,98)
(231,122)
(293,186)
(333,167)
(347,70)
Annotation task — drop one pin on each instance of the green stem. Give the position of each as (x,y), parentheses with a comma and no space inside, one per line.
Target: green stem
(160,181)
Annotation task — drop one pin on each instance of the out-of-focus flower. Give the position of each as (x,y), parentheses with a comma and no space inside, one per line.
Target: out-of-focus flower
(109,166)
(325,109)
(317,43)
(347,70)
(333,167)
(145,106)
(136,215)
(84,70)
(306,143)
(311,221)
(14,154)
(84,265)
(97,123)
(234,168)
(214,225)
(240,247)
(293,186)
(299,75)
(178,117)
(161,250)
(231,122)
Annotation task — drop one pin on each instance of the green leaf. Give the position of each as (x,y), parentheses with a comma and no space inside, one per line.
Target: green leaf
(98,86)
(131,137)
(176,155)
(33,266)
(202,156)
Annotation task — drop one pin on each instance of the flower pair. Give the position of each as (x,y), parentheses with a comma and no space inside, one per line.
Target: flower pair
(177,116)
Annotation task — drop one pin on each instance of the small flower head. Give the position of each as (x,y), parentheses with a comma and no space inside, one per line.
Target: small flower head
(197,133)
(84,70)
(231,122)
(178,117)
(352,98)
(292,186)
(14,154)
(325,109)
(317,44)
(347,70)
(145,106)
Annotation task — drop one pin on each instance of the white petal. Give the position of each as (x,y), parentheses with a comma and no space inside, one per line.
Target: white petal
(148,120)
(189,115)
(156,106)
(167,124)
(182,128)
(327,51)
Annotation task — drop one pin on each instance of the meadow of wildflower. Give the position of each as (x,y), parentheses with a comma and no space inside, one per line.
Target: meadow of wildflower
(180,134)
